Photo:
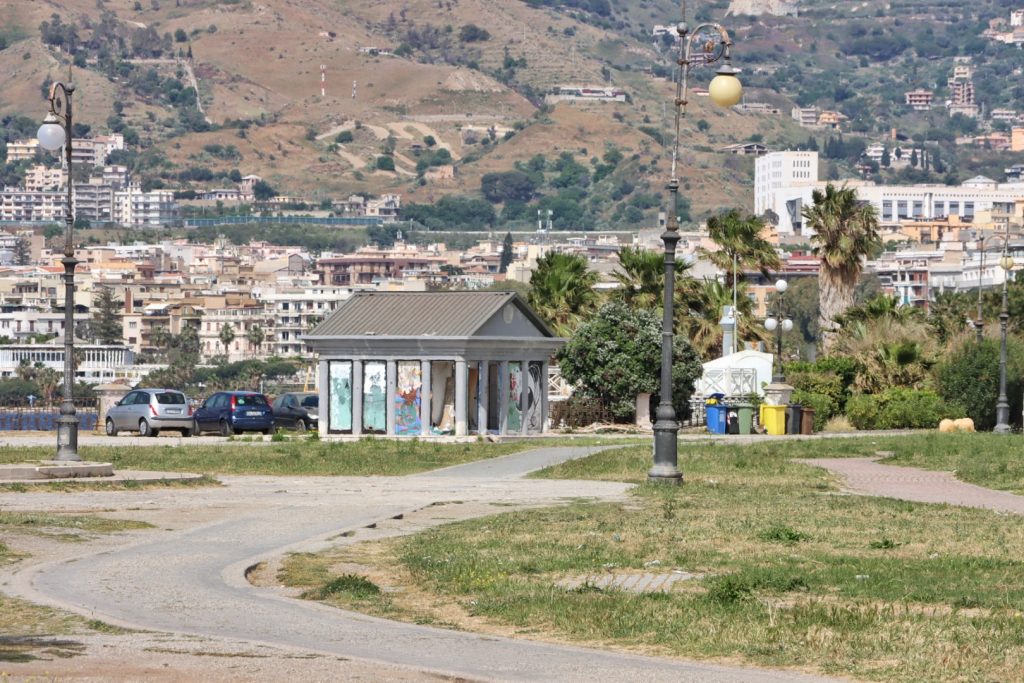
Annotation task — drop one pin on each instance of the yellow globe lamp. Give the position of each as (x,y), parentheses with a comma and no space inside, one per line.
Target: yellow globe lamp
(725,89)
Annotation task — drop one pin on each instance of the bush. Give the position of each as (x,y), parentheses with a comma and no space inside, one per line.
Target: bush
(827,384)
(969,375)
(900,408)
(344,136)
(824,406)
(385,163)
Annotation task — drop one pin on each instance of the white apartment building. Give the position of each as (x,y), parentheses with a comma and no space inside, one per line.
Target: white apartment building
(135,208)
(241,320)
(91,151)
(295,311)
(93,201)
(1017,17)
(22,150)
(17,204)
(781,187)
(98,363)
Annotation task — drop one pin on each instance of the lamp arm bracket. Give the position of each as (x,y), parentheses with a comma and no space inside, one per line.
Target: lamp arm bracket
(60,100)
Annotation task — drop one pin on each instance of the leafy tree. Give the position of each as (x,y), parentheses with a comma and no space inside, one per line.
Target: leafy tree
(107,326)
(886,159)
(22,252)
(845,233)
(343,137)
(471,33)
(385,163)
(506,253)
(641,277)
(227,335)
(507,186)
(740,242)
(969,375)
(180,36)
(562,290)
(262,191)
(617,355)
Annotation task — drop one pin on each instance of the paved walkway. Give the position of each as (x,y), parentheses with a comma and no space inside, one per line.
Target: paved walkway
(866,476)
(188,576)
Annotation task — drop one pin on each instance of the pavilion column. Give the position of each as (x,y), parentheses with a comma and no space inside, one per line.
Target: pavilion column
(357,397)
(524,397)
(461,397)
(392,386)
(323,391)
(503,380)
(544,388)
(425,379)
(482,397)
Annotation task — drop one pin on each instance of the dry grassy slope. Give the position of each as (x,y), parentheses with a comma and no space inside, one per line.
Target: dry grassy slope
(263,61)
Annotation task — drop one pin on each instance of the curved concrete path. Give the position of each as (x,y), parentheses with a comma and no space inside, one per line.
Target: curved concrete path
(190,580)
(868,477)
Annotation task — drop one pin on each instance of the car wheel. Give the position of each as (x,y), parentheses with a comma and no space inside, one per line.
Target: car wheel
(111,429)
(186,432)
(268,430)
(144,428)
(225,428)
(300,426)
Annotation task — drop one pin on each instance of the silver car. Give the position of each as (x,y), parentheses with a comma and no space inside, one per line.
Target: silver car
(148,411)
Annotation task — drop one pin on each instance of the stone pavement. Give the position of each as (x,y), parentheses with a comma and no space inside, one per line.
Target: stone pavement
(868,477)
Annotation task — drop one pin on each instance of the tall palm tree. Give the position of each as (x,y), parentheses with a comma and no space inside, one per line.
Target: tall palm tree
(740,242)
(562,291)
(845,232)
(641,277)
(883,306)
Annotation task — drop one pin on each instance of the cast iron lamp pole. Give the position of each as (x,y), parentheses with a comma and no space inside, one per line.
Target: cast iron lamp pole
(778,325)
(979,324)
(54,134)
(1003,405)
(713,44)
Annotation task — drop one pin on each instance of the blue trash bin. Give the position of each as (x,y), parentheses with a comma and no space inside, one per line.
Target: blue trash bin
(717,418)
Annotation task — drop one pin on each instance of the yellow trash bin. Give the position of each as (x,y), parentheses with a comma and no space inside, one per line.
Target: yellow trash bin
(773,418)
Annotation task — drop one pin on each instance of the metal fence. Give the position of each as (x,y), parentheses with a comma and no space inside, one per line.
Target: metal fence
(21,416)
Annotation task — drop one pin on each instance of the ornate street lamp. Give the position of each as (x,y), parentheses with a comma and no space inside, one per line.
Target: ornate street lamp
(713,44)
(1002,405)
(778,325)
(54,134)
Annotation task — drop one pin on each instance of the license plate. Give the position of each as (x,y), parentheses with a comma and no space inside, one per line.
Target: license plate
(253,413)
(174,411)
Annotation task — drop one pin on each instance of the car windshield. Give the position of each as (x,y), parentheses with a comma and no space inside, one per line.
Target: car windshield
(250,400)
(171,398)
(310,401)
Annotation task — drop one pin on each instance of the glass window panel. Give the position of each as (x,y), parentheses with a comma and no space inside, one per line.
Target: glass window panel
(339,383)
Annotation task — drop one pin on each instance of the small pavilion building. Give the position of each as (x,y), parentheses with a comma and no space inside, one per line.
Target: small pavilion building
(433,363)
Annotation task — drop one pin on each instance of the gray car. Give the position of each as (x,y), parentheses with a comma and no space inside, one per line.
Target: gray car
(148,411)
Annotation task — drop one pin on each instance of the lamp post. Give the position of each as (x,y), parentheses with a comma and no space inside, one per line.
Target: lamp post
(54,134)
(1002,404)
(778,325)
(979,324)
(713,44)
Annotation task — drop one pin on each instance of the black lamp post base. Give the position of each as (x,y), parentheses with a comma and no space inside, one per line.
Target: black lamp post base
(665,470)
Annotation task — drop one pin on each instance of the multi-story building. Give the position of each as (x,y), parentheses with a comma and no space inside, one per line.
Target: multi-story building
(18,204)
(39,177)
(93,201)
(781,187)
(97,363)
(241,317)
(22,150)
(135,208)
(1003,115)
(370,265)
(295,311)
(919,99)
(806,116)
(961,93)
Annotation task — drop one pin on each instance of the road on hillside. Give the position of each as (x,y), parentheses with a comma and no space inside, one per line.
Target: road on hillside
(188,576)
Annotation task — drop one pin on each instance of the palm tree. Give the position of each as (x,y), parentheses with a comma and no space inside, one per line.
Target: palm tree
(740,243)
(641,277)
(845,232)
(256,337)
(562,291)
(701,323)
(227,335)
(880,307)
(891,353)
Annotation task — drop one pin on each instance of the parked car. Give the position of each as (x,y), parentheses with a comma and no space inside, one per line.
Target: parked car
(149,411)
(298,410)
(231,412)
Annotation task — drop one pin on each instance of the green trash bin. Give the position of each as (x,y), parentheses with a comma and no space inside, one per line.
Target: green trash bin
(745,413)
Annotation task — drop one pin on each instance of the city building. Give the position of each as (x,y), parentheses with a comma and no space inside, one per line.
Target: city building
(919,99)
(806,116)
(97,363)
(40,177)
(21,205)
(135,208)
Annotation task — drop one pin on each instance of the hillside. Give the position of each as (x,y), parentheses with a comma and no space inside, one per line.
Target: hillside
(469,77)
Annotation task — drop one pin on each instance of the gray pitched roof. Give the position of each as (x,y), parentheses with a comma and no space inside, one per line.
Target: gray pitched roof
(416,314)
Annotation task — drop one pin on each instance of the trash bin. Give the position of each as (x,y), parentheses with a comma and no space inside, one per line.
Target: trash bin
(732,420)
(745,418)
(807,420)
(793,418)
(716,418)
(774,419)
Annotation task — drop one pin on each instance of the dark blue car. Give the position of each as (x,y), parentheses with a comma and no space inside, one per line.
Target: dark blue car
(231,412)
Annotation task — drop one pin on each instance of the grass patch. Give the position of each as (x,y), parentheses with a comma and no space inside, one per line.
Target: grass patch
(29,631)
(366,457)
(353,585)
(98,484)
(990,460)
(14,521)
(794,574)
